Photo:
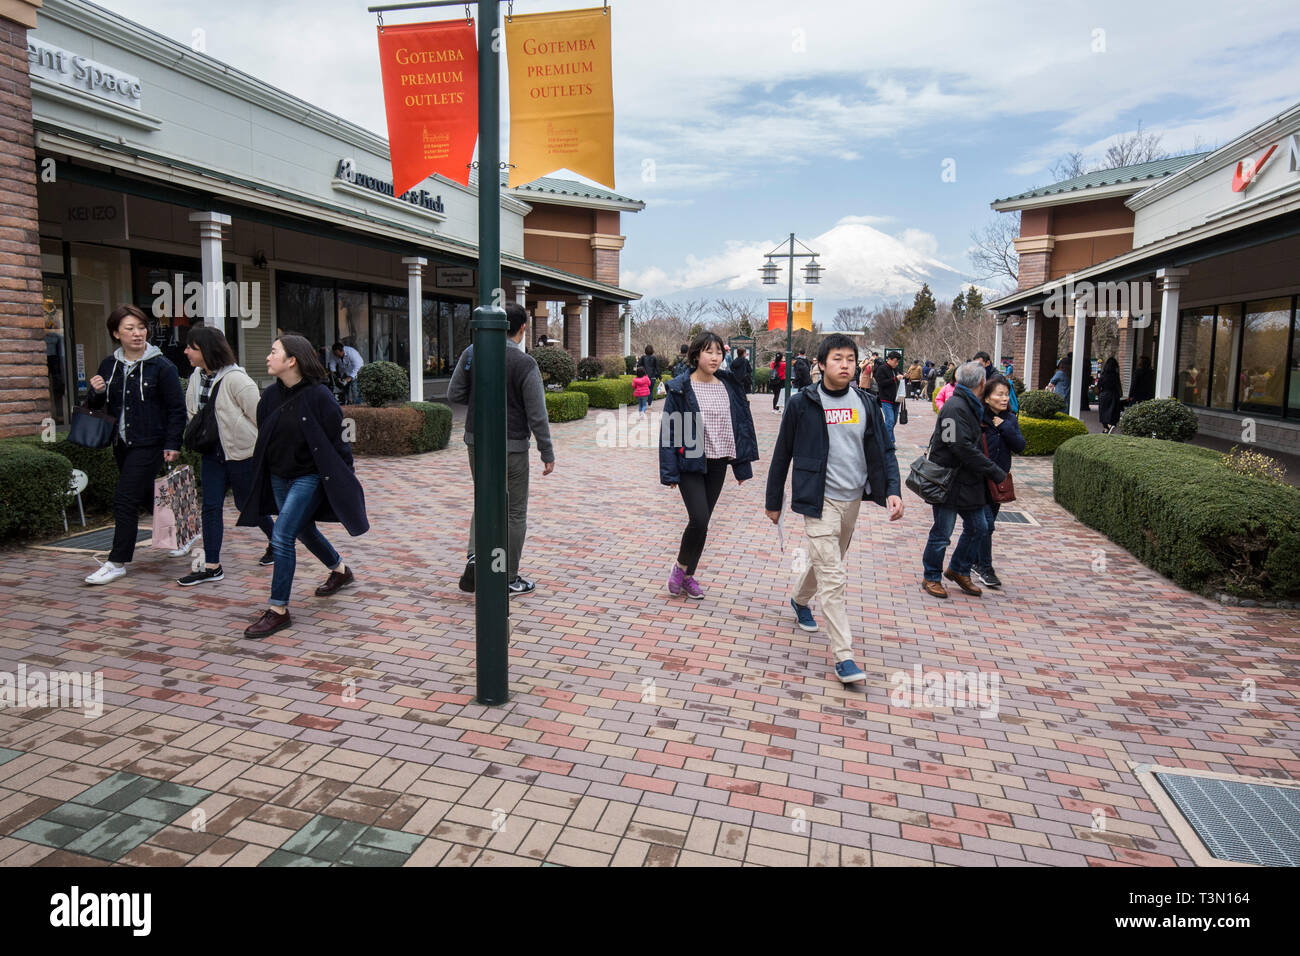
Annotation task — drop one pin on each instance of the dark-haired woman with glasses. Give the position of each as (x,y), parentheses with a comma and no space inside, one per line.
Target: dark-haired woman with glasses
(302,472)
(229,464)
(706,426)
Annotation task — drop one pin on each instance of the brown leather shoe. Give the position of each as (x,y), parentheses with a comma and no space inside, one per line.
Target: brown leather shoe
(964,582)
(335,581)
(934,589)
(267,624)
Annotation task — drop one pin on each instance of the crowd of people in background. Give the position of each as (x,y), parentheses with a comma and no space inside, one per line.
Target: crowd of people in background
(283,453)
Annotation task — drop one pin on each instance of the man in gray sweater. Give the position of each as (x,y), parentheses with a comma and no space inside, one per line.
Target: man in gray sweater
(525,414)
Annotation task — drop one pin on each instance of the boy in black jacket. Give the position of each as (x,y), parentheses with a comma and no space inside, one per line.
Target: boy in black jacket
(843,455)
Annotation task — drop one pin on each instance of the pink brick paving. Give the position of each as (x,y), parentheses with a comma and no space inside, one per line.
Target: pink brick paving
(747,753)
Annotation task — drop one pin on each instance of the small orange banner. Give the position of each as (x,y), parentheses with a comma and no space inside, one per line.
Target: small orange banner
(561,95)
(802,315)
(430,75)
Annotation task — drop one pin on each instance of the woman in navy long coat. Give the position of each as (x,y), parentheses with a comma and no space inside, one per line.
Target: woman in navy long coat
(302,472)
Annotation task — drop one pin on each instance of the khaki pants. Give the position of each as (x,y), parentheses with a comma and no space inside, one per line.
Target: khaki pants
(828,541)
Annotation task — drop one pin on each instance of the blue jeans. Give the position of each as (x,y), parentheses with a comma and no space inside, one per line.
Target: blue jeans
(973,527)
(219,475)
(985,552)
(297,499)
(641,402)
(891,415)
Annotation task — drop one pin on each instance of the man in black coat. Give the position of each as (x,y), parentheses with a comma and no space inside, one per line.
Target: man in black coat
(743,371)
(842,454)
(651,363)
(887,379)
(956,444)
(801,376)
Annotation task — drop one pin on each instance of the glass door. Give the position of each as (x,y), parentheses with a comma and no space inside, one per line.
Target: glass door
(54,300)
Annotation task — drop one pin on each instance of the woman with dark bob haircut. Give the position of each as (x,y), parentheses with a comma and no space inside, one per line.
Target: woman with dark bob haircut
(227,463)
(142,390)
(302,472)
(706,426)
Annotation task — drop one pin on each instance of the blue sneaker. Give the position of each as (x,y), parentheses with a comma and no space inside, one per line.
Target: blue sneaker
(806,620)
(849,673)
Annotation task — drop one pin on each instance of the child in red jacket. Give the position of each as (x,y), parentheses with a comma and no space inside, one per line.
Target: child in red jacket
(641,390)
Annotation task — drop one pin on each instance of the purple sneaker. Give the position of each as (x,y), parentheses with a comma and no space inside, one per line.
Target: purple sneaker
(675,579)
(693,590)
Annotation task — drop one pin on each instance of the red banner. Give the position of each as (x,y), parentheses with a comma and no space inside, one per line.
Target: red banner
(430,75)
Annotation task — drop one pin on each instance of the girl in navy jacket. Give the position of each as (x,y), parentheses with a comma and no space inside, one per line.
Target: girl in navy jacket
(1001,430)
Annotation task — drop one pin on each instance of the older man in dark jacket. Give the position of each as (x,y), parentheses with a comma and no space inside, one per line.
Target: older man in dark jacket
(956,444)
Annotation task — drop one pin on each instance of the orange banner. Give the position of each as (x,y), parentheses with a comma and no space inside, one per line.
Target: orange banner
(430,75)
(802,315)
(561,95)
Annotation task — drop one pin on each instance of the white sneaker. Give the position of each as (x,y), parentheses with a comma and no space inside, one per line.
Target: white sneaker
(182,552)
(108,571)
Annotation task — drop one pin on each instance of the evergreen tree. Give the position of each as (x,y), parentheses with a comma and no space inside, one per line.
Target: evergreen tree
(923,308)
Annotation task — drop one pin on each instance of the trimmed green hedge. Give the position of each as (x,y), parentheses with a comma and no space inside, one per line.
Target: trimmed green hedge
(382,382)
(761,378)
(1180,512)
(605,392)
(100,467)
(566,406)
(1044,435)
(1040,403)
(33,489)
(436,431)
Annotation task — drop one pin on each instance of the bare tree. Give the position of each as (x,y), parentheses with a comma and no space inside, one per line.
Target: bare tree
(738,316)
(1070,166)
(852,319)
(1136,147)
(994,253)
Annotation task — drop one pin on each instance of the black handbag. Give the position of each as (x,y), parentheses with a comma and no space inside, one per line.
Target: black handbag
(201,433)
(931,482)
(902,412)
(91,428)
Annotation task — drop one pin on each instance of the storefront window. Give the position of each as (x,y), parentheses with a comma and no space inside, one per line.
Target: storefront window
(354,322)
(172,310)
(1194,340)
(1227,343)
(461,313)
(435,344)
(101,281)
(1263,355)
(1293,390)
(304,305)
(56,357)
(390,329)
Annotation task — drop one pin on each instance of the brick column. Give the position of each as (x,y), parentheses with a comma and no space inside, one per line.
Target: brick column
(24,376)
(541,320)
(606,329)
(573,330)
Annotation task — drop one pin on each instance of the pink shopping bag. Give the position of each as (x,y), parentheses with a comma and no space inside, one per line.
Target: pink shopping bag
(176,512)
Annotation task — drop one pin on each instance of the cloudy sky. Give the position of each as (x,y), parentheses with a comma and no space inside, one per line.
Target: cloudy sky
(739,122)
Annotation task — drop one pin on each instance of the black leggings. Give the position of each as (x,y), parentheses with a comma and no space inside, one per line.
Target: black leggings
(700,492)
(778,386)
(137,467)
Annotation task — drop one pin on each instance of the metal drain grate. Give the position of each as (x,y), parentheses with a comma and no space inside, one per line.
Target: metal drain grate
(101,539)
(1012,516)
(1241,822)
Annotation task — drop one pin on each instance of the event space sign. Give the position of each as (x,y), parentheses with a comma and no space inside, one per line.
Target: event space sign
(802,315)
(81,73)
(561,95)
(430,73)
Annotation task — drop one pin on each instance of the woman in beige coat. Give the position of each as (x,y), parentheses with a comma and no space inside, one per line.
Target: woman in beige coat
(228,462)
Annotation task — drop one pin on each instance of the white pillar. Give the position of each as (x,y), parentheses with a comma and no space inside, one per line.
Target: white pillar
(1078,384)
(1171,281)
(214,291)
(1031,320)
(415,311)
(998,322)
(627,329)
(584,302)
(521,297)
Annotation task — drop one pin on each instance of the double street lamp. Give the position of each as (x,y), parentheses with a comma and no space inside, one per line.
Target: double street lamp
(812,275)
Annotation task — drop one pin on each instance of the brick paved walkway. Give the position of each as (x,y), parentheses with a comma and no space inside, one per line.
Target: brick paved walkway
(642,729)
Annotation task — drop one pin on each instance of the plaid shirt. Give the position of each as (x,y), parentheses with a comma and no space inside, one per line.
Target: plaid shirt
(205,388)
(715,411)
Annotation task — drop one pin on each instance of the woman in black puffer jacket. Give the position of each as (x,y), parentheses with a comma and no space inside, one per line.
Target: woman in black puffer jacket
(1000,429)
